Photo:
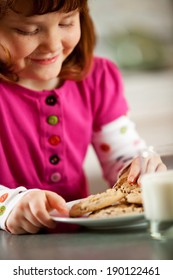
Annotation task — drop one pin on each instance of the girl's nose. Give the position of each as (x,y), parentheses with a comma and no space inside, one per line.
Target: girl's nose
(51,41)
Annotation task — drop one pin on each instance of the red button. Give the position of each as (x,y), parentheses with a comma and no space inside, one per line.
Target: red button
(54,140)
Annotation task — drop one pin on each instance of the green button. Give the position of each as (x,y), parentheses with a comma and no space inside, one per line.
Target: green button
(123,129)
(52,120)
(2,210)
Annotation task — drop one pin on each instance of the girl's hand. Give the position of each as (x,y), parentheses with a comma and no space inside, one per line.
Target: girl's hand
(31,213)
(150,164)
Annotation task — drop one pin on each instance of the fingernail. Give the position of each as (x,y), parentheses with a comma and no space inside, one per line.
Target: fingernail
(131,179)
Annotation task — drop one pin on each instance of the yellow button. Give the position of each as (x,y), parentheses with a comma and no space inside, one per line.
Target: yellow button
(52,120)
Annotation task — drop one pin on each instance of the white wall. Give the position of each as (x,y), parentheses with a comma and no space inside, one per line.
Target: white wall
(114,15)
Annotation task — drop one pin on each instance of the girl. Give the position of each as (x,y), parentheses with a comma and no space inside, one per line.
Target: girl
(56,99)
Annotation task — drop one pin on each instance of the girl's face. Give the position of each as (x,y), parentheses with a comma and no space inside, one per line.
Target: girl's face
(39,44)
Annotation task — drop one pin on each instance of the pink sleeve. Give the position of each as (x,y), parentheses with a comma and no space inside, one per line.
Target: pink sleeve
(109,100)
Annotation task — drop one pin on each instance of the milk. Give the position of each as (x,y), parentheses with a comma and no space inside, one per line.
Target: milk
(157,192)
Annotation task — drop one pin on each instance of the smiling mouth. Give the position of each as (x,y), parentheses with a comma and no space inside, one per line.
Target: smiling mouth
(45,61)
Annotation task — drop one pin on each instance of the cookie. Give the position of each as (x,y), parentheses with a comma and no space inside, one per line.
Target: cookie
(117,210)
(135,196)
(132,191)
(96,202)
(126,188)
(121,180)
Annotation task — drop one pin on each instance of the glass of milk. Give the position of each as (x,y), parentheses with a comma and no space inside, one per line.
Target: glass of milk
(157,193)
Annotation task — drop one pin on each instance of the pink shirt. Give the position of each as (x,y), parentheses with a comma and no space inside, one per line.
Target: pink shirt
(45,135)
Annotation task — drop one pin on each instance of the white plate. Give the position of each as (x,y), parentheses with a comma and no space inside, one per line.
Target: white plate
(122,222)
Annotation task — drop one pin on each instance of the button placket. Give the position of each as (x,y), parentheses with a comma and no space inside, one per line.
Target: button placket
(54,140)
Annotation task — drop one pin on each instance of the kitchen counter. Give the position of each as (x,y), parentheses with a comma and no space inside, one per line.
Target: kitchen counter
(83,244)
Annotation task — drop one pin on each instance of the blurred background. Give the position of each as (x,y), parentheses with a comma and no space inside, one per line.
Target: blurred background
(138,36)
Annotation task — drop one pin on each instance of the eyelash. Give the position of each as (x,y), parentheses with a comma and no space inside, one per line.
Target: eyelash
(25,33)
(66,24)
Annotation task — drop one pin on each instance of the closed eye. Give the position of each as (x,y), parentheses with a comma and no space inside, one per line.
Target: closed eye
(66,24)
(26,33)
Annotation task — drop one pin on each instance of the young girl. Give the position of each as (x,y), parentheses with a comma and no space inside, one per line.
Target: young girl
(56,99)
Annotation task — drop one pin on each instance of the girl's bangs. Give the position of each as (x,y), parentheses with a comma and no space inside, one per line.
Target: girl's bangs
(40,7)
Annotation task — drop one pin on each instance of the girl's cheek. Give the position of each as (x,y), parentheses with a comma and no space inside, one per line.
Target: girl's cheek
(72,38)
(22,52)
(23,47)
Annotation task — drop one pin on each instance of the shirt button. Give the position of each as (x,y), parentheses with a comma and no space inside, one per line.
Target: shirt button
(52,120)
(54,140)
(51,100)
(55,177)
(54,159)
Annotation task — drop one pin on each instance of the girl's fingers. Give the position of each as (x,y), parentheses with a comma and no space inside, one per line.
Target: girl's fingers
(152,164)
(41,207)
(161,167)
(32,212)
(41,214)
(150,167)
(21,222)
(31,218)
(29,227)
(56,202)
(16,230)
(134,170)
(145,165)
(25,227)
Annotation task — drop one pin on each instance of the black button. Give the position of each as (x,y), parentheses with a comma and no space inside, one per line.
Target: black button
(51,100)
(54,159)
